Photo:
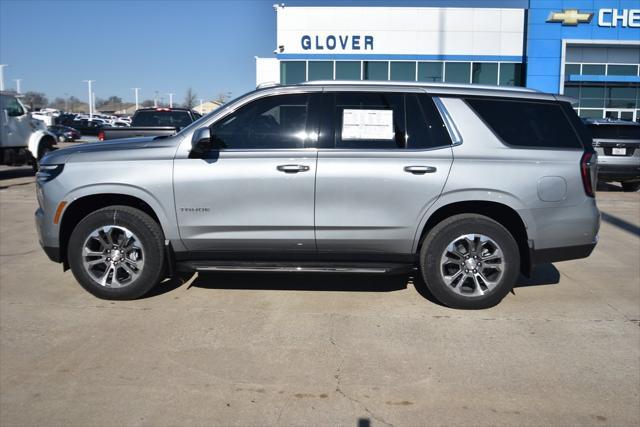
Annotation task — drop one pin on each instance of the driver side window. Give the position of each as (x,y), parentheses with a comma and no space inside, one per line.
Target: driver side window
(278,121)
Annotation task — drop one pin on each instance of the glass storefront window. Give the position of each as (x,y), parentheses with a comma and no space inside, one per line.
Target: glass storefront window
(622,70)
(485,73)
(593,70)
(320,70)
(376,70)
(347,70)
(572,91)
(403,71)
(510,74)
(292,72)
(571,69)
(592,114)
(430,72)
(457,72)
(592,92)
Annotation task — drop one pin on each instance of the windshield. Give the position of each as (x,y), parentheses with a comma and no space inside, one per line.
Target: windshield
(153,118)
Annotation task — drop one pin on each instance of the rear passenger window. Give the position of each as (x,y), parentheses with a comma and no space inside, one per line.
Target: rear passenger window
(425,128)
(387,121)
(369,120)
(527,123)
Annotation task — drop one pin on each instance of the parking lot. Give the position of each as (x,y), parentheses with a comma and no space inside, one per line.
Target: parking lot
(275,349)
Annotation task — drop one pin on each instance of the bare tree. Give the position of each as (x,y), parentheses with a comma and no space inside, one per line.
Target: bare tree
(35,100)
(147,103)
(223,97)
(190,98)
(58,104)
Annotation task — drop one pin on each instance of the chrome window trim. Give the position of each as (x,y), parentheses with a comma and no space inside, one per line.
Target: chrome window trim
(454,134)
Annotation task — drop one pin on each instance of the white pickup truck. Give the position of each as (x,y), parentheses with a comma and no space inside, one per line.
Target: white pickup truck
(23,139)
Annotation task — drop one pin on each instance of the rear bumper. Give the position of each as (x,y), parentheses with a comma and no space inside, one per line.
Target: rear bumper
(564,253)
(615,172)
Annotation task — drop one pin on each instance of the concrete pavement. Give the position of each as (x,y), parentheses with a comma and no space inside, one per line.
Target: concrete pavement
(273,349)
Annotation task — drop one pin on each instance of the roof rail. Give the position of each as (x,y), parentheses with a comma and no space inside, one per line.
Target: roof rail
(419,84)
(267,84)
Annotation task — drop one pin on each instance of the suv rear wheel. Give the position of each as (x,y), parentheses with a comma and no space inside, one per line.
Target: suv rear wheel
(469,261)
(117,253)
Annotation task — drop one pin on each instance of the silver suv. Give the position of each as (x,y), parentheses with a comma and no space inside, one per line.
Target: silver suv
(472,184)
(617,143)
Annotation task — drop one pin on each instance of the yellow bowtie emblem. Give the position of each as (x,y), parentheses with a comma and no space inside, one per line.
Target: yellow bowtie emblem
(570,17)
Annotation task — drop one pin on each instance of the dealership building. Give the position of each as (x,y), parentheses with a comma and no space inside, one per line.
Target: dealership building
(589,50)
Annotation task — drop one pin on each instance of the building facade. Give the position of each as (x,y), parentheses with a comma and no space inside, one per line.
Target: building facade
(589,50)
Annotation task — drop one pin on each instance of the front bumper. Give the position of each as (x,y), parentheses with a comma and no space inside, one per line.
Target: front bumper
(52,252)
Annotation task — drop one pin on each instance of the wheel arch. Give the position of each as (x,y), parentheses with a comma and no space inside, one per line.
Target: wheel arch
(38,140)
(81,207)
(499,212)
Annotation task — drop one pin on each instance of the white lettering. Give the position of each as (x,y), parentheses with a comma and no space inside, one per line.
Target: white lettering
(625,17)
(622,18)
(601,14)
(634,18)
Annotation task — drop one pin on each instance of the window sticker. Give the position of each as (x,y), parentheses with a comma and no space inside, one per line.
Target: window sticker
(367,124)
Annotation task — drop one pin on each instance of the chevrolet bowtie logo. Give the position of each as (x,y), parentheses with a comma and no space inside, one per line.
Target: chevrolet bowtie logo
(570,17)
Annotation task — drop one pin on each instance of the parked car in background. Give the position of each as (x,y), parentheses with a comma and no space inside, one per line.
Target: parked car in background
(87,126)
(65,133)
(152,122)
(473,185)
(617,143)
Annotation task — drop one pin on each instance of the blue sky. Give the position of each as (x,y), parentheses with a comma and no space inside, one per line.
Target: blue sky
(162,45)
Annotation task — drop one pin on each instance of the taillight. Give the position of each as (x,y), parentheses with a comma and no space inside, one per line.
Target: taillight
(587,170)
(101,135)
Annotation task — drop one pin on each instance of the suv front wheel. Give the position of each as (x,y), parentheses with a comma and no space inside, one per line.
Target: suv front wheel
(117,253)
(469,261)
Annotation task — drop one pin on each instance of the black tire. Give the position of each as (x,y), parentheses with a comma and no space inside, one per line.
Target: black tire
(631,186)
(438,239)
(149,235)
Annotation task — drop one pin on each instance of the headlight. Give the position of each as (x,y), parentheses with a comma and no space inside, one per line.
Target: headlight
(48,172)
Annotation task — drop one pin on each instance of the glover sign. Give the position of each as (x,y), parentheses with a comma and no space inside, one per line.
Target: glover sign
(339,42)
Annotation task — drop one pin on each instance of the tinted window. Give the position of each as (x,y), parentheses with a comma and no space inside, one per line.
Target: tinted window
(347,70)
(430,71)
(178,119)
(615,131)
(292,72)
(527,123)
(270,122)
(373,120)
(425,128)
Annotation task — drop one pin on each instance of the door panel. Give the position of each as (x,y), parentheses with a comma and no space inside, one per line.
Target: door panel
(255,190)
(371,195)
(241,201)
(367,202)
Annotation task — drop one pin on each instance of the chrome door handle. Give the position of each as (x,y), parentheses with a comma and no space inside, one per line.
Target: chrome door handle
(419,170)
(293,168)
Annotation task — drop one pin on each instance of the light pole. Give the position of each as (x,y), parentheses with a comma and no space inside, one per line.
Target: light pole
(90,82)
(136,89)
(170,100)
(201,101)
(155,100)
(2,76)
(17,85)
(66,102)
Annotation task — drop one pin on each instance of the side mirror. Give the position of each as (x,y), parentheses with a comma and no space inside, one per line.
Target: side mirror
(201,142)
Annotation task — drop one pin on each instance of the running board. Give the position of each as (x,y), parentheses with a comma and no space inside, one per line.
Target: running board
(293,267)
